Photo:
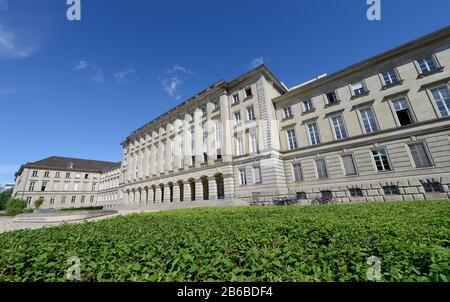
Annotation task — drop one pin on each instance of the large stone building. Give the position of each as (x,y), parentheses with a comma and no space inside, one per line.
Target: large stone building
(377,130)
(61,182)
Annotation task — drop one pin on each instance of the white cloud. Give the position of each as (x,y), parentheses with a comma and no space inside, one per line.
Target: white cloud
(7,91)
(81,65)
(255,62)
(173,78)
(13,46)
(95,72)
(124,76)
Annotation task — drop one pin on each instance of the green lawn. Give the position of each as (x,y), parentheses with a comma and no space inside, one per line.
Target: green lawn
(310,243)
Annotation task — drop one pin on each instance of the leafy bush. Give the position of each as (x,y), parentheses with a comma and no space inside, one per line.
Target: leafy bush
(15,206)
(307,243)
(82,209)
(38,203)
(4,196)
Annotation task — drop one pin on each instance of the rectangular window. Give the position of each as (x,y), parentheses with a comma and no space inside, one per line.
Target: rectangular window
(381,160)
(83,199)
(29,200)
(67,175)
(57,174)
(356,192)
(35,174)
(46,174)
(237,118)
(182,158)
(78,176)
(257,174)
(239,146)
(192,141)
(242,176)
(390,77)
(339,127)
(368,119)
(391,190)
(216,105)
(287,112)
(52,200)
(236,99)
(44,186)
(253,143)
(349,165)
(313,131)
(307,105)
(427,64)
(433,187)
(63,199)
(251,113)
(92,199)
(94,186)
(321,168)
(218,131)
(358,89)
(75,186)
(74,199)
(32,184)
(248,92)
(298,174)
(66,186)
(332,97)
(403,112)
(86,176)
(85,186)
(292,139)
(420,155)
(442,98)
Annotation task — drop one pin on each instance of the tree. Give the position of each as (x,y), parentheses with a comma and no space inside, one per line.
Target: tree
(15,206)
(38,203)
(4,197)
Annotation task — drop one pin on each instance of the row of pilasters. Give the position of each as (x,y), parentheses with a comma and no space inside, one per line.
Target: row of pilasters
(198,190)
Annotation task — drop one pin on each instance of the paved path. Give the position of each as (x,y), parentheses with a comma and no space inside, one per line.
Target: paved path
(7,224)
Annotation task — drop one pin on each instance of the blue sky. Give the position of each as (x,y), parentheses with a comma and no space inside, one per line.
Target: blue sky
(78,89)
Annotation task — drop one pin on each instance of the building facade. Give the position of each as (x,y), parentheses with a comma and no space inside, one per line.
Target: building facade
(61,182)
(377,130)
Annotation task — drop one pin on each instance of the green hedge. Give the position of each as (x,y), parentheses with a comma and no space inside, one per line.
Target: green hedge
(311,243)
(82,209)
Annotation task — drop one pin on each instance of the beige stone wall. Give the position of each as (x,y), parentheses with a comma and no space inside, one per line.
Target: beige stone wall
(55,189)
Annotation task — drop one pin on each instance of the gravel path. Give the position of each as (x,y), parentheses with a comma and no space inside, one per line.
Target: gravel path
(7,224)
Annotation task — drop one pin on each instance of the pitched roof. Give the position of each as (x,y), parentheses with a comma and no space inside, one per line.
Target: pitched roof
(76,164)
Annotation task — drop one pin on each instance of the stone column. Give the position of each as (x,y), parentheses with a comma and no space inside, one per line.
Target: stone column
(212,188)
(158,195)
(187,192)
(176,192)
(228,183)
(198,137)
(198,190)
(227,129)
